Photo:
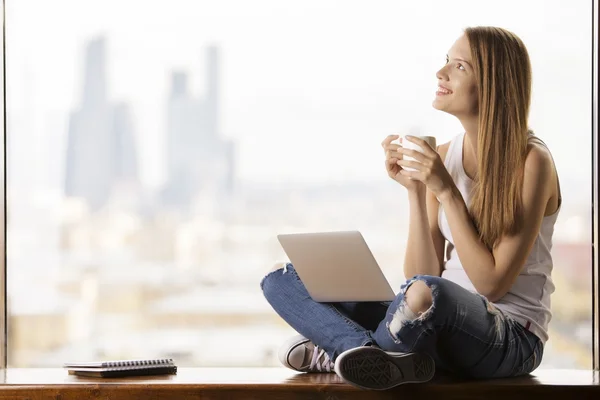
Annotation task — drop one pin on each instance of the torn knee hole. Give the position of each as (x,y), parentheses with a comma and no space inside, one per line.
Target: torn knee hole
(419,297)
(402,317)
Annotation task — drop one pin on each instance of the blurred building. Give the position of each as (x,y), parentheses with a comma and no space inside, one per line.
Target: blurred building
(199,160)
(101,152)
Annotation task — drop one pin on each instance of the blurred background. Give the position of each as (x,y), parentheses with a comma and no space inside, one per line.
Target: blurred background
(154,151)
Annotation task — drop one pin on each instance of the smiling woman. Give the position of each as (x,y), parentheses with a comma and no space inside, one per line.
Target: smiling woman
(498,291)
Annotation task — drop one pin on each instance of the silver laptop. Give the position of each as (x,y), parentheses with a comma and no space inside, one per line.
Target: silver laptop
(336,266)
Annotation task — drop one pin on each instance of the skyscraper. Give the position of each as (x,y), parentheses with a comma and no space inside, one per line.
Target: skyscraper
(101,151)
(198,158)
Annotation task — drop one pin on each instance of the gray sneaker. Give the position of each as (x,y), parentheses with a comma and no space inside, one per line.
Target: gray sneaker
(300,354)
(369,367)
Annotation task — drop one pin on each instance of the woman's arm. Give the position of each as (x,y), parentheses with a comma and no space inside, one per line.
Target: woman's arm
(421,255)
(439,241)
(493,273)
(425,246)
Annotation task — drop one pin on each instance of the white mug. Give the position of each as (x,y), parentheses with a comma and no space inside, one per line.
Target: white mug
(410,145)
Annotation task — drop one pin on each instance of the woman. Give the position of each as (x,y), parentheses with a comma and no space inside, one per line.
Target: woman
(493,194)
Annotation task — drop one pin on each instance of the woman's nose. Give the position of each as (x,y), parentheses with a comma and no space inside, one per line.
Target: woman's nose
(441,74)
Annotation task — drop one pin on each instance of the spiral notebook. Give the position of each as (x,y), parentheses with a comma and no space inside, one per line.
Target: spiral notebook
(122,368)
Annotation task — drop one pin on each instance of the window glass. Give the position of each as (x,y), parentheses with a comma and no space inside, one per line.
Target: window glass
(155,150)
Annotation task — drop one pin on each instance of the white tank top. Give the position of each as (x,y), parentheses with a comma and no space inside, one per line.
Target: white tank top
(528,300)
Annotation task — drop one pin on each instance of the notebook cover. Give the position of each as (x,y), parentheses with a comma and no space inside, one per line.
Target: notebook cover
(123,372)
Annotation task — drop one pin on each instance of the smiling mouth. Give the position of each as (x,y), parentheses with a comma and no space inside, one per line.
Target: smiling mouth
(442,91)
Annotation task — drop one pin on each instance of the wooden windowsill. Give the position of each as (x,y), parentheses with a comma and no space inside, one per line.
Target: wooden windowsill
(281,383)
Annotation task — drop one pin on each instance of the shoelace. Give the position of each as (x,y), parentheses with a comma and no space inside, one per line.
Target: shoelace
(324,364)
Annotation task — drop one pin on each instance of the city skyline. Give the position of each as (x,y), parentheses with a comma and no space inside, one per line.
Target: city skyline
(102,156)
(293,94)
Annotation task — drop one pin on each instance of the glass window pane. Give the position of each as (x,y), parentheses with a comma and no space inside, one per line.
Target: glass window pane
(154,152)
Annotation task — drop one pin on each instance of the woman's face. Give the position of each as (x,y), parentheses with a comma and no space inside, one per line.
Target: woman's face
(457,88)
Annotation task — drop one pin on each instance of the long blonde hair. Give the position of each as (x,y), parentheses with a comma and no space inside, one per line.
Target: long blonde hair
(503,72)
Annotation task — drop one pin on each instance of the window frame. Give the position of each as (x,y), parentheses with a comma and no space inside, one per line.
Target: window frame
(3,309)
(595,200)
(595,195)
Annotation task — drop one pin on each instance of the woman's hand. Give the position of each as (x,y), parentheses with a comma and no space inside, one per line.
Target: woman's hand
(392,157)
(430,168)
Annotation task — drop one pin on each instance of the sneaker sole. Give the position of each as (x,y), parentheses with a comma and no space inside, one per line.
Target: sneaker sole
(373,368)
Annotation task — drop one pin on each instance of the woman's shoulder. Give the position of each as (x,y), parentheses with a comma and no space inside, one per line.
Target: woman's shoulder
(538,154)
(536,143)
(540,171)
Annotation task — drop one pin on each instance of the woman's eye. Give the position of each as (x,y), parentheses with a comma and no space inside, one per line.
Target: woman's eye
(461,67)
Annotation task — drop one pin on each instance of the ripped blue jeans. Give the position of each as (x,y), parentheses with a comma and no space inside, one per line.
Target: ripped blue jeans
(464,333)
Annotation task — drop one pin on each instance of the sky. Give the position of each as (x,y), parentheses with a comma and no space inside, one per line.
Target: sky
(309,89)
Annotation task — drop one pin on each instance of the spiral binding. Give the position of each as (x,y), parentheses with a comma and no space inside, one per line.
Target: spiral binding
(139,363)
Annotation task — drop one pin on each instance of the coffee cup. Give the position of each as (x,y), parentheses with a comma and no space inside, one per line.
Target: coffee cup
(410,145)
